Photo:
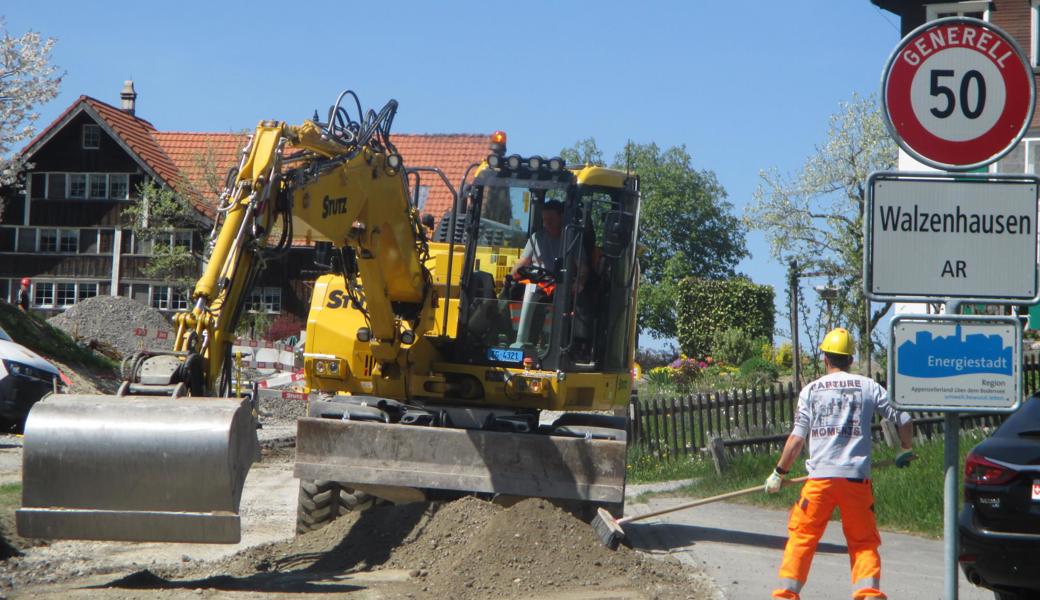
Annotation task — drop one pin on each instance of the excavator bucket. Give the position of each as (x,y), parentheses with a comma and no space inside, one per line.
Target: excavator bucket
(136,468)
(375,456)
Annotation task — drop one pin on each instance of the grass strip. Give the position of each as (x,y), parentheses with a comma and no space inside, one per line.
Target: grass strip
(908,500)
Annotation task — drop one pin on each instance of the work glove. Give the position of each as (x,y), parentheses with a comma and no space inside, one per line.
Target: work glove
(773,483)
(903,459)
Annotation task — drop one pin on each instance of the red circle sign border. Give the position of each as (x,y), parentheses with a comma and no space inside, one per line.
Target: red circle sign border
(948,155)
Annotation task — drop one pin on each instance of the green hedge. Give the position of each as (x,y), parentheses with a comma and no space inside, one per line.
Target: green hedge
(709,305)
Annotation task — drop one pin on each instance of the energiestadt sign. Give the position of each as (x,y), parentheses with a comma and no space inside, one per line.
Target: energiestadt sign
(958,93)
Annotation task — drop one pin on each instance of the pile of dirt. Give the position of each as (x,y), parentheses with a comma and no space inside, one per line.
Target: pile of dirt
(468,550)
(115,322)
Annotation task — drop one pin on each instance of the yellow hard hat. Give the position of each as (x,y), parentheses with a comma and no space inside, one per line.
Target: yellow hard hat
(838,341)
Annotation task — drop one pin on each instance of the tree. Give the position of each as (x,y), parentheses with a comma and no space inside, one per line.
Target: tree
(686,228)
(154,216)
(27,80)
(816,216)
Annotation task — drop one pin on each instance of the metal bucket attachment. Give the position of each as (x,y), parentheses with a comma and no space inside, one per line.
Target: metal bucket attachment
(365,454)
(136,468)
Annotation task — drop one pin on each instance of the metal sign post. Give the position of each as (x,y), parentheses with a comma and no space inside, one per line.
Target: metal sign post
(958,94)
(953,364)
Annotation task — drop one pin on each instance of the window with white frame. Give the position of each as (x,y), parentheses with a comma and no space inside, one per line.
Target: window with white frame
(48,240)
(977,9)
(77,185)
(86,290)
(179,299)
(91,137)
(266,299)
(119,186)
(182,239)
(64,294)
(1023,158)
(160,297)
(98,185)
(68,240)
(43,294)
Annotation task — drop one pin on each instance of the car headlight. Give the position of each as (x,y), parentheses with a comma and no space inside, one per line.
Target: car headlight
(24,370)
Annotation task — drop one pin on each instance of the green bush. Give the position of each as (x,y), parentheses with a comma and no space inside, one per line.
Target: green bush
(758,371)
(733,346)
(707,306)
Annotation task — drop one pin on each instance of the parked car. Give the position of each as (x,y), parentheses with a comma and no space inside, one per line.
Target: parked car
(1000,522)
(25,377)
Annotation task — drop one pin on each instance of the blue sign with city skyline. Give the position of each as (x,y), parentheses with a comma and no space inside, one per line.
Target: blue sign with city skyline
(934,357)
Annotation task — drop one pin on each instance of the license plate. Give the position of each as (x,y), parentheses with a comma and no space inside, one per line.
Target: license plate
(1036,489)
(505,355)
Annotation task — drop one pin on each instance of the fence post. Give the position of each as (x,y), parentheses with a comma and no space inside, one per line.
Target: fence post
(702,405)
(684,417)
(675,428)
(718,454)
(890,433)
(718,414)
(791,402)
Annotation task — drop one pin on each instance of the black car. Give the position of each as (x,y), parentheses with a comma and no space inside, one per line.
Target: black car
(1000,522)
(25,377)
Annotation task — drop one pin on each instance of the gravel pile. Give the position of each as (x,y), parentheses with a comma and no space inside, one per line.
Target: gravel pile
(112,320)
(281,410)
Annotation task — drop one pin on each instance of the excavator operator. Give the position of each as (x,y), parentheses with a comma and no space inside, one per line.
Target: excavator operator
(545,245)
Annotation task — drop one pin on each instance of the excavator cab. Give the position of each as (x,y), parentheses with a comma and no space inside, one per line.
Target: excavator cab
(550,268)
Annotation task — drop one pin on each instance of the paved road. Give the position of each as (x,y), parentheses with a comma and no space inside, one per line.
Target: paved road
(740,546)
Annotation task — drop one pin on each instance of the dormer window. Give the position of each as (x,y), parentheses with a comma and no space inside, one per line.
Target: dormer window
(91,137)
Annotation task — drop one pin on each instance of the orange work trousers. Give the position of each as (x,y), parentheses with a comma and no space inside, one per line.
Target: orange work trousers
(809,518)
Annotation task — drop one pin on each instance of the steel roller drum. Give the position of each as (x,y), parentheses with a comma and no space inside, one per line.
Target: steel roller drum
(136,468)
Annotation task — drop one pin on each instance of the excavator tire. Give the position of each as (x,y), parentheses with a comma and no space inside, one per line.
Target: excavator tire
(322,502)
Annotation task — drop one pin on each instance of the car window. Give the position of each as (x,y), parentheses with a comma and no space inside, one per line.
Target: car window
(4,336)
(1025,420)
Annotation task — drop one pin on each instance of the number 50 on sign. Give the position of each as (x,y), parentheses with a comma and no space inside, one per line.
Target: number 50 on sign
(958,93)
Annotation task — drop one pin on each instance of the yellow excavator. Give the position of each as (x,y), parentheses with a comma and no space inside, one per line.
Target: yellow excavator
(481,356)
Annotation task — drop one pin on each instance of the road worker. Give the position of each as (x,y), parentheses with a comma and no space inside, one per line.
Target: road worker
(24,301)
(835,413)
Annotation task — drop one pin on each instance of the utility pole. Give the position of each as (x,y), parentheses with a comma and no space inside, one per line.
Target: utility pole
(792,281)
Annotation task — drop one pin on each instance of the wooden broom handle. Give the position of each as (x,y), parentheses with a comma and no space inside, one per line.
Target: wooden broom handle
(720,497)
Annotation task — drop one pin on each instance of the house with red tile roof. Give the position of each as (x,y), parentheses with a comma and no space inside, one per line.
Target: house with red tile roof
(64,229)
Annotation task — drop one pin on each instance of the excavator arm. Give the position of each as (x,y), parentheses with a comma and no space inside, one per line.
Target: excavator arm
(166,459)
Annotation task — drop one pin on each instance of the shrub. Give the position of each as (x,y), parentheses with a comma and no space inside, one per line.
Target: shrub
(284,326)
(758,371)
(706,306)
(733,346)
(784,357)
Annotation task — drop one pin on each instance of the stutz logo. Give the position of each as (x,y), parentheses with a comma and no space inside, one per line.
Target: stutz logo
(333,206)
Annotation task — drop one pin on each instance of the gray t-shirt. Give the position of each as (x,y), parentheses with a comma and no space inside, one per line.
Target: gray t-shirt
(543,250)
(835,413)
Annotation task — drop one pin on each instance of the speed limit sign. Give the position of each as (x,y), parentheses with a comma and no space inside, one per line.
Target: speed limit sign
(958,93)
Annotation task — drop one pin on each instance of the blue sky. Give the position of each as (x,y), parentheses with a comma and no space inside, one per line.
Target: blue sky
(744,85)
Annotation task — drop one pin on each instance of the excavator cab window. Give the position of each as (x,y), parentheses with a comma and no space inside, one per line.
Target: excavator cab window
(507,219)
(598,297)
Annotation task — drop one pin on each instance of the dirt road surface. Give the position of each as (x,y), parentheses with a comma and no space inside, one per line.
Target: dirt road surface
(468,550)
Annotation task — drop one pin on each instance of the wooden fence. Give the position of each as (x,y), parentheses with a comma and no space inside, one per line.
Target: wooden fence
(759,419)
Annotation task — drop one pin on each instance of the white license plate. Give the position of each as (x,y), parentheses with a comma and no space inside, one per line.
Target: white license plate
(1036,489)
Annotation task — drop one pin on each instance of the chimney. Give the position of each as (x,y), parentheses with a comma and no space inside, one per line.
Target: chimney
(128,96)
